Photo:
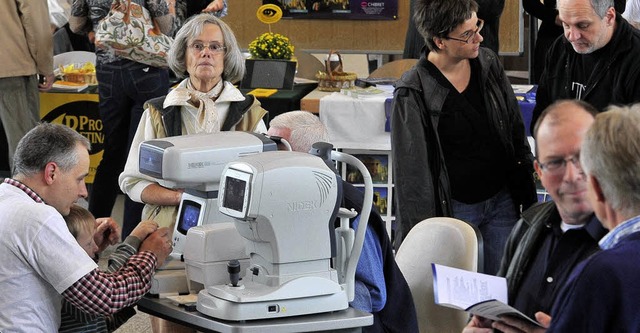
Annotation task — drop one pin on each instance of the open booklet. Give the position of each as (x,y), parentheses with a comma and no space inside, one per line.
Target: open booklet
(479,294)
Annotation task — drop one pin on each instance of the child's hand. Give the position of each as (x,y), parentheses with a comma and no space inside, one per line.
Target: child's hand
(107,233)
(144,229)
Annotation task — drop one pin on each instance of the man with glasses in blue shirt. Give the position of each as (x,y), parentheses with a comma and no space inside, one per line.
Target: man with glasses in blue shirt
(553,237)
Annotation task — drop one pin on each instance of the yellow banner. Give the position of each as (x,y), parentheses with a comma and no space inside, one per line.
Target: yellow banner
(80,112)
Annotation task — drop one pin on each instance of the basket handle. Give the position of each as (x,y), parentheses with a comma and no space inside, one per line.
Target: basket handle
(327,64)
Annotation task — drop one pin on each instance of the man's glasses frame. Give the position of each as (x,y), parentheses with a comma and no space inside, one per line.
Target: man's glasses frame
(559,166)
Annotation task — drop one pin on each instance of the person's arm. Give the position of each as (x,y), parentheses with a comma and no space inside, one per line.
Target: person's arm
(39,37)
(79,21)
(58,12)
(371,295)
(523,185)
(214,6)
(540,10)
(140,187)
(100,293)
(130,245)
(412,172)
(163,13)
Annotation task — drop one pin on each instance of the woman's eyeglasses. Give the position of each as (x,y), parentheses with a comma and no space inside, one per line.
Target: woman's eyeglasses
(468,35)
(213,47)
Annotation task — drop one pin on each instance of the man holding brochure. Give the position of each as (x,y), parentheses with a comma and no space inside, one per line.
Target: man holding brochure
(602,293)
(551,238)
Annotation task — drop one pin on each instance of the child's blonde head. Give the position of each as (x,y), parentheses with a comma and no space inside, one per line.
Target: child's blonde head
(79,219)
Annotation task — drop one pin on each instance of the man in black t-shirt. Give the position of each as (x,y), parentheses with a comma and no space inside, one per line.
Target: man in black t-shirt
(595,61)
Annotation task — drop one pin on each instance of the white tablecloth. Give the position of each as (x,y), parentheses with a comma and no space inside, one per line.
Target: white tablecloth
(356,123)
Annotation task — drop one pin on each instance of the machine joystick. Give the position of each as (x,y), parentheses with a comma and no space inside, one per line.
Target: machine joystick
(233,268)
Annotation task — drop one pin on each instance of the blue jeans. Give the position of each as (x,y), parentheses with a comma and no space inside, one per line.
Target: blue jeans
(495,217)
(123,86)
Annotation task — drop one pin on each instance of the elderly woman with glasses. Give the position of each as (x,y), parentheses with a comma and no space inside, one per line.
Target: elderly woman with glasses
(458,137)
(205,53)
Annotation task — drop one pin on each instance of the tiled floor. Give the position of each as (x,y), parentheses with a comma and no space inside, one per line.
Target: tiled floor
(137,324)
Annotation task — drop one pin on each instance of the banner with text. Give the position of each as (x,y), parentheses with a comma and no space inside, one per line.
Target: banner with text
(338,9)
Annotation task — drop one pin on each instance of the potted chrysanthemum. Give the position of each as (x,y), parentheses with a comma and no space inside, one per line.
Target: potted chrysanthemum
(268,52)
(271,45)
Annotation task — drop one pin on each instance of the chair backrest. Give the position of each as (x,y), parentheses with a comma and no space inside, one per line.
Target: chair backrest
(308,65)
(393,69)
(441,240)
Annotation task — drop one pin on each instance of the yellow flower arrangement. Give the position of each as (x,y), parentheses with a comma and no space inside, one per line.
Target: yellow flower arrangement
(271,46)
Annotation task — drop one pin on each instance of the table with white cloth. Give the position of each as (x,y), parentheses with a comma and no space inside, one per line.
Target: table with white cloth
(356,123)
(359,126)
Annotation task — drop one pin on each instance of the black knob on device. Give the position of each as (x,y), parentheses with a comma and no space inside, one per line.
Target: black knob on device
(233,268)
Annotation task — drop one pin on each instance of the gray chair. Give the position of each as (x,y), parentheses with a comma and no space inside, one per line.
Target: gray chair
(393,69)
(308,65)
(445,241)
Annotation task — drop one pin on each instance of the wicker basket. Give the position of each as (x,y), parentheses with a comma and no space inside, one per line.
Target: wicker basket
(89,78)
(78,75)
(333,78)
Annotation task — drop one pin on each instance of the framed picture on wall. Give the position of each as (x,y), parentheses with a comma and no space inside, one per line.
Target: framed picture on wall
(380,199)
(378,166)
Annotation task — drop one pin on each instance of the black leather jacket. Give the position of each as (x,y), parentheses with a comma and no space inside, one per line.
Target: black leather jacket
(524,239)
(420,175)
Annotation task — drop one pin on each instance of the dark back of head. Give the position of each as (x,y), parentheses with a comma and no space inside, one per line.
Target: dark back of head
(437,18)
(47,143)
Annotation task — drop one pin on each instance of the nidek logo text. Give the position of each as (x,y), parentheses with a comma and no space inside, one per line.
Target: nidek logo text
(302,205)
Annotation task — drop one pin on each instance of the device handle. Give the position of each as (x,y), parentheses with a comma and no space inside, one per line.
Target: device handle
(351,261)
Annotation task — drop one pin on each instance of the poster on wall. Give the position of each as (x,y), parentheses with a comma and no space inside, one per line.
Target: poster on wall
(338,9)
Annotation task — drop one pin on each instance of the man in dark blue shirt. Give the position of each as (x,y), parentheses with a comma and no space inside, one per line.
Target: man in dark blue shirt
(553,237)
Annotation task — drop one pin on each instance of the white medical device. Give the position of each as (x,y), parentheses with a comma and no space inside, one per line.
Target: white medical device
(194,163)
(285,205)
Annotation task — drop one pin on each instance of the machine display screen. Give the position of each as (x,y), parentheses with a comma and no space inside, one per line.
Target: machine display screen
(150,161)
(234,194)
(188,216)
